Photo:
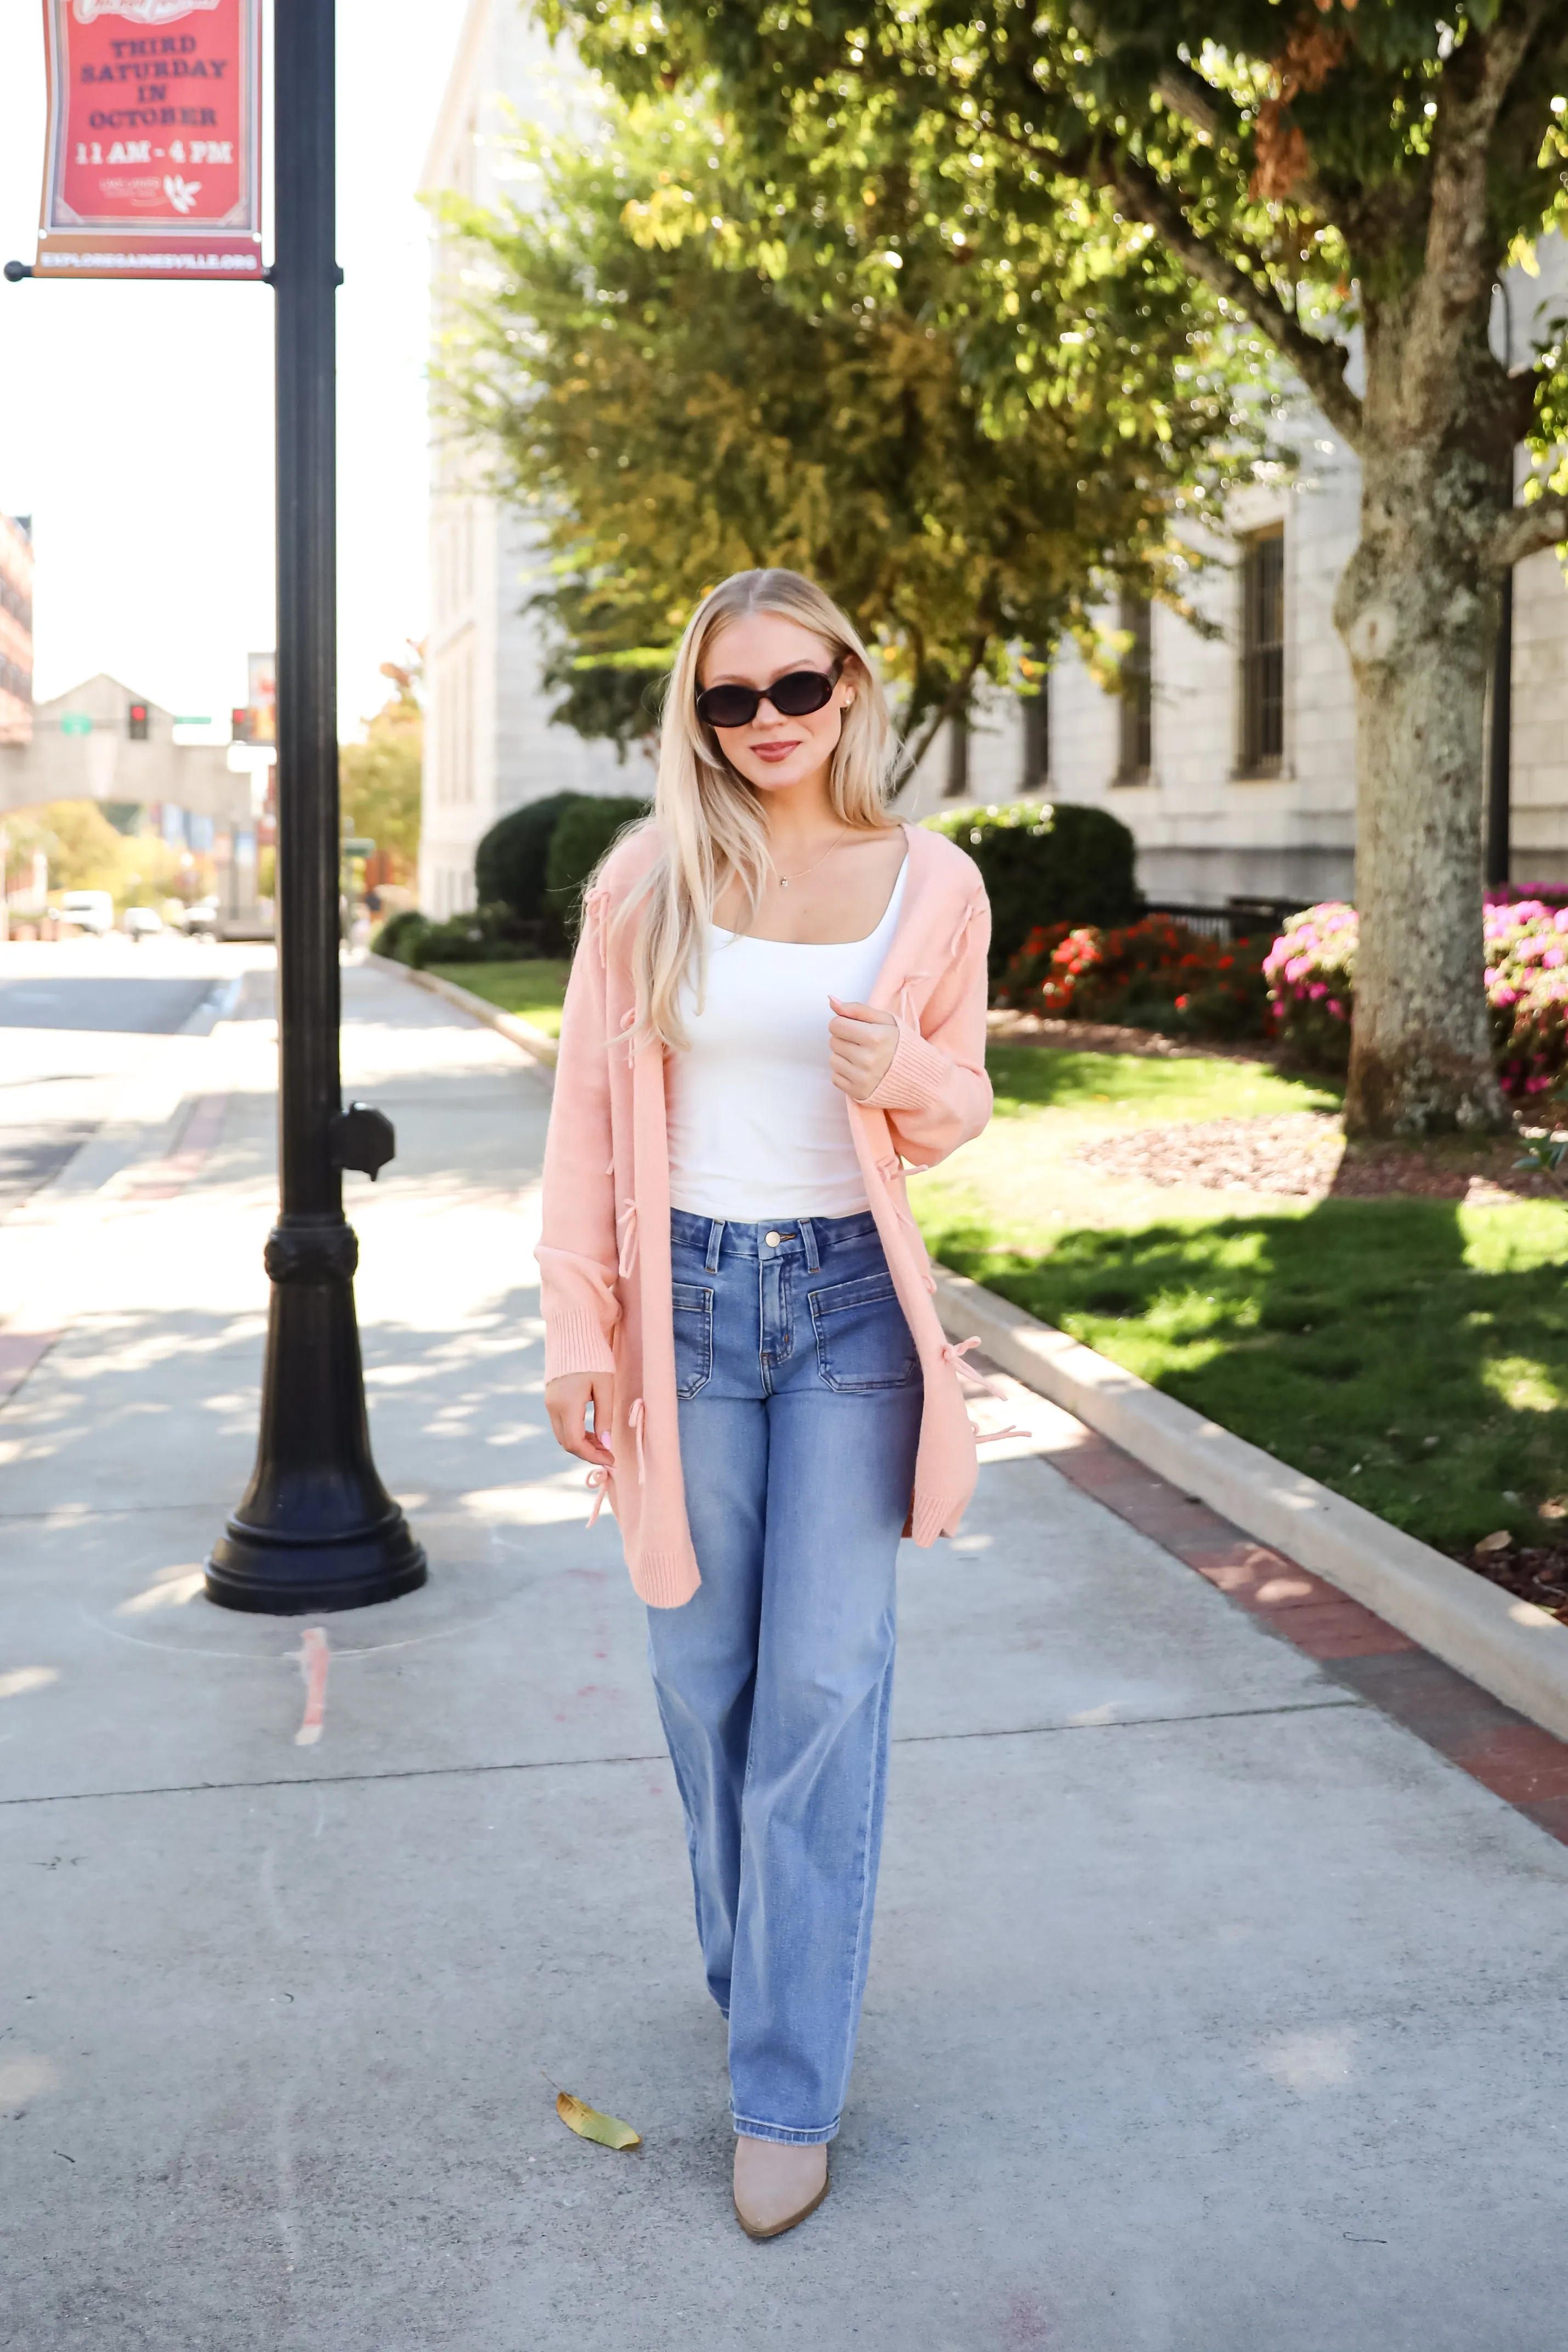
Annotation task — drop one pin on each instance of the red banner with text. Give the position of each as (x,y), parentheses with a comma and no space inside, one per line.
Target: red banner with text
(153,162)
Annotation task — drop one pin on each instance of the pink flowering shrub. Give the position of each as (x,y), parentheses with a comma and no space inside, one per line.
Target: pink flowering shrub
(1527,988)
(1311,973)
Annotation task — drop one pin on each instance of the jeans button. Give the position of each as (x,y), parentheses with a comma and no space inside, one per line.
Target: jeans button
(771,1240)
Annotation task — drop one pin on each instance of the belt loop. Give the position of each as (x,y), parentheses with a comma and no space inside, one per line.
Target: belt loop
(715,1236)
(808,1235)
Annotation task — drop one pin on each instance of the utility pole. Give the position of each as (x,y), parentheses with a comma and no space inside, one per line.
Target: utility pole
(316,1528)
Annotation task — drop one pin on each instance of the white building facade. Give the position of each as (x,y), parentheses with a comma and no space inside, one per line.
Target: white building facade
(489,745)
(1233,762)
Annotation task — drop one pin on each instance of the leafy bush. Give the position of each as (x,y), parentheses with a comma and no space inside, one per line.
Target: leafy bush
(1311,973)
(1153,974)
(584,831)
(1046,863)
(1527,989)
(511,863)
(488,935)
(397,935)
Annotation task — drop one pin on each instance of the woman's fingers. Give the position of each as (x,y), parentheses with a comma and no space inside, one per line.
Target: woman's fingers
(861,1042)
(567,1401)
(874,1013)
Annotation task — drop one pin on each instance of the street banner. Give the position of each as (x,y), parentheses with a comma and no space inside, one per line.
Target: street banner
(153,162)
(262,697)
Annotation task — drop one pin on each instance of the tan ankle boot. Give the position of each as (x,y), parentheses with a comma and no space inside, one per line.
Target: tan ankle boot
(777,2184)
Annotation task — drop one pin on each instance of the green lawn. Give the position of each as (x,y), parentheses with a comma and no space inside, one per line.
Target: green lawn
(1410,1354)
(1031,1077)
(533,990)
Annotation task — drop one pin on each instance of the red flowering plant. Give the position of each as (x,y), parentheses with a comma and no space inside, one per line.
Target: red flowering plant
(1311,976)
(1153,974)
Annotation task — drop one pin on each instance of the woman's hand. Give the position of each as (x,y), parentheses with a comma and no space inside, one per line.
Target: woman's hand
(864,1042)
(567,1401)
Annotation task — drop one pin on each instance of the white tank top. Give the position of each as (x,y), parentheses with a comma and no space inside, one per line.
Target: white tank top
(756,1127)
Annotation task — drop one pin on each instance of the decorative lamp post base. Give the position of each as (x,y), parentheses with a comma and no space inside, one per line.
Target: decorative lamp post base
(317,1529)
(252,1569)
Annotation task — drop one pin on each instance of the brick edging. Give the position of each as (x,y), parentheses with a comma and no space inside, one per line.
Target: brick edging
(1524,1765)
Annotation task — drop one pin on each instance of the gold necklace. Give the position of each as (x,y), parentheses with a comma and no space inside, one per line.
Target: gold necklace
(785,879)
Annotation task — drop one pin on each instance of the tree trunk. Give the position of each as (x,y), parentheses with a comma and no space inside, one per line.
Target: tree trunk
(1417,609)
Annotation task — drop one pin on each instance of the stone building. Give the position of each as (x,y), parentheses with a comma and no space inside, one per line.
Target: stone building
(101,742)
(1232,762)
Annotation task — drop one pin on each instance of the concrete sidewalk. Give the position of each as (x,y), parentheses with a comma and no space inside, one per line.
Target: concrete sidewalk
(1210,2011)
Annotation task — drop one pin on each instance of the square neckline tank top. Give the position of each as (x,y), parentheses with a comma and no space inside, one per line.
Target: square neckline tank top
(756,1128)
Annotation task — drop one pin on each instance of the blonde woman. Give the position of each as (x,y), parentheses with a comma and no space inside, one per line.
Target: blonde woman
(779,1000)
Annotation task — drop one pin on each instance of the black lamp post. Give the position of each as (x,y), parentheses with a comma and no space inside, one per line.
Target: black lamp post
(316,1529)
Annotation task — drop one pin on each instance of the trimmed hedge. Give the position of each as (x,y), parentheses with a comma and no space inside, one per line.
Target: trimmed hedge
(488,935)
(1046,863)
(397,935)
(585,829)
(510,864)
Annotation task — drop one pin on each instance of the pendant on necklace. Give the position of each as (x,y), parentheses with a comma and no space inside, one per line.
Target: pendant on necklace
(783,884)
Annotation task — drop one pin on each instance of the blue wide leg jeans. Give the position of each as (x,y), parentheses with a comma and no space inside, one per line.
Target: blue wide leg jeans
(800,1413)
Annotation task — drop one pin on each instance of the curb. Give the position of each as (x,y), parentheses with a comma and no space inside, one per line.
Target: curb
(1511,1648)
(533,1041)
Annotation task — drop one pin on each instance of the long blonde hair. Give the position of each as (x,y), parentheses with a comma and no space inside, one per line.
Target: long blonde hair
(709,818)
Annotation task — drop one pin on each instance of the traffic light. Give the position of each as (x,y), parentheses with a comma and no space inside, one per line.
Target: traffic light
(136,722)
(242,721)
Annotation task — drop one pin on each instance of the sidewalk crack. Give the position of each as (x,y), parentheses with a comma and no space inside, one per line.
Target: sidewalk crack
(658,1756)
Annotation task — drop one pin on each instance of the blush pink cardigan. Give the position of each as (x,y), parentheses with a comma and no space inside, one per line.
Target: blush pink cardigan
(604,1255)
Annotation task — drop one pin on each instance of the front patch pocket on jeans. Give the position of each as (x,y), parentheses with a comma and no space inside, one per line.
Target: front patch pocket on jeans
(863,1339)
(693,1308)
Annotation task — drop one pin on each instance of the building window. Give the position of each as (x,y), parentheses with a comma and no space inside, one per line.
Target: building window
(1136,751)
(1263,654)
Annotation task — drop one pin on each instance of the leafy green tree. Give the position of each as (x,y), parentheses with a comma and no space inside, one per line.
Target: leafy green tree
(85,852)
(379,780)
(1350,181)
(679,390)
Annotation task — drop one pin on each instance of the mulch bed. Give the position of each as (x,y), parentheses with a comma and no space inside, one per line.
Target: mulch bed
(1529,1571)
(1303,1155)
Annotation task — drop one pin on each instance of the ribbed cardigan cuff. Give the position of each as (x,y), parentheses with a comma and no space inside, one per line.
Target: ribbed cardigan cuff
(937,1515)
(575,1341)
(664,1580)
(917,1078)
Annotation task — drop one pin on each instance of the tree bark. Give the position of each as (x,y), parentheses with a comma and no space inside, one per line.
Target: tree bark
(1418,608)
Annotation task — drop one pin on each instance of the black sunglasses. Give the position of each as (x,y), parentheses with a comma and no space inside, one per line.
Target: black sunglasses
(794,697)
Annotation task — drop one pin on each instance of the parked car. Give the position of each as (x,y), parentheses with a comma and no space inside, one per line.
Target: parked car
(89,910)
(200,920)
(140,923)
